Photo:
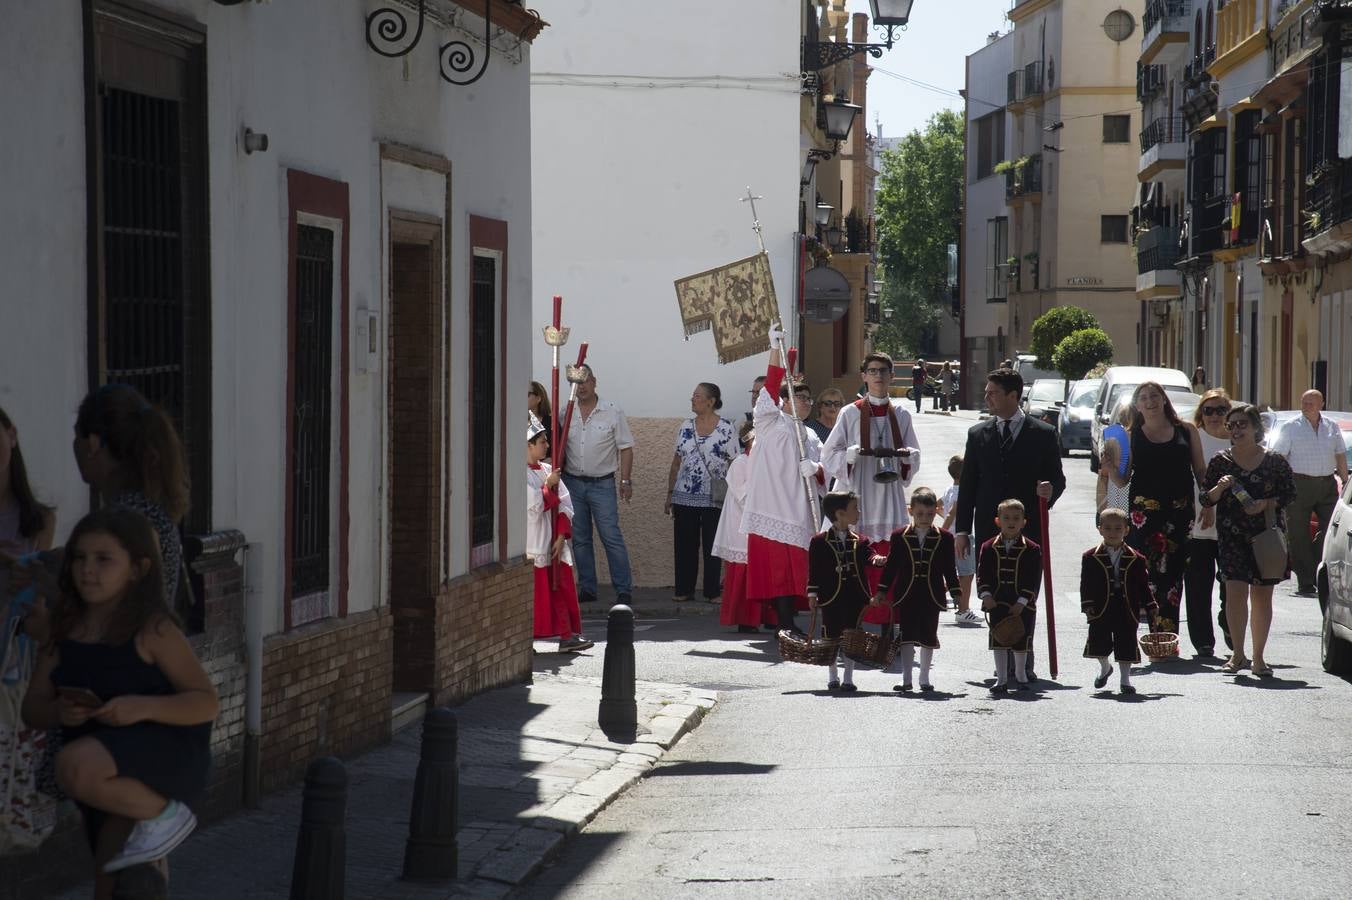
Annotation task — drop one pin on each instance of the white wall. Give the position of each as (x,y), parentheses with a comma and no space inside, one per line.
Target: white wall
(42,209)
(301,72)
(638,185)
(987,70)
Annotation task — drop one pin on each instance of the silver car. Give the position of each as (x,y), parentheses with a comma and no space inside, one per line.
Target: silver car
(1334,582)
(1073,427)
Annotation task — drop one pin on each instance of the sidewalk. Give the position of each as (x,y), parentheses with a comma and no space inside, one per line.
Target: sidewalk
(534,768)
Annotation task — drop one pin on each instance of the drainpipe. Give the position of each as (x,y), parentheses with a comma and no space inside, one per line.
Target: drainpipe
(253,679)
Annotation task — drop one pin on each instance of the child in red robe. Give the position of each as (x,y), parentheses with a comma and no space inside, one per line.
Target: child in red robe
(549,517)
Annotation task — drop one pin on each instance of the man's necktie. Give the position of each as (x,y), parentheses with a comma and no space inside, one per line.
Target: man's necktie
(1006,437)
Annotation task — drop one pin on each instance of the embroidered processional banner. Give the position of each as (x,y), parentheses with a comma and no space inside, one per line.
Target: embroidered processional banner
(736,301)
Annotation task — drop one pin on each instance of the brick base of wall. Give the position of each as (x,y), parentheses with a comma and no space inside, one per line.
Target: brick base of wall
(326,691)
(484,623)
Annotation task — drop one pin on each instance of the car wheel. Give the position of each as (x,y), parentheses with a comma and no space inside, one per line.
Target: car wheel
(1334,652)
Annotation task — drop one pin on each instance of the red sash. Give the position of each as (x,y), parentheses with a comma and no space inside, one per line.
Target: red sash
(866,431)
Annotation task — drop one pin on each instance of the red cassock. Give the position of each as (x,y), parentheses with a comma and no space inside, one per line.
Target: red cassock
(557,613)
(737,608)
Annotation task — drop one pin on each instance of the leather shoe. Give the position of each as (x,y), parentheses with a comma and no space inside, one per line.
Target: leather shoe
(998,688)
(626,599)
(1102,680)
(902,688)
(849,687)
(584,597)
(1127,689)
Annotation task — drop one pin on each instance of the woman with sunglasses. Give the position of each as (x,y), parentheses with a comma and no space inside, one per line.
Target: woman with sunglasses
(1245,482)
(1200,580)
(825,412)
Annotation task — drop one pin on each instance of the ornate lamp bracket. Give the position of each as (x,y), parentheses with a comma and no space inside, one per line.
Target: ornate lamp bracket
(387,34)
(818,55)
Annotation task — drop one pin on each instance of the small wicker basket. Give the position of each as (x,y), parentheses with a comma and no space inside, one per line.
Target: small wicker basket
(805,649)
(866,647)
(1159,644)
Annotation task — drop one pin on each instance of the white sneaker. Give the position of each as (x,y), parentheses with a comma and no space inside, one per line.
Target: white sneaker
(154,838)
(968,617)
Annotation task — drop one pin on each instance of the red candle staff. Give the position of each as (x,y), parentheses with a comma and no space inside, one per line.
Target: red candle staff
(1047,580)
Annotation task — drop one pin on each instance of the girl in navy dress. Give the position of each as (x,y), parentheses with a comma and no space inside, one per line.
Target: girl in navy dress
(134,704)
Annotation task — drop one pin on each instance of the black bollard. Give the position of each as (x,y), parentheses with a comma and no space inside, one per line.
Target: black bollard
(431,851)
(321,846)
(619,712)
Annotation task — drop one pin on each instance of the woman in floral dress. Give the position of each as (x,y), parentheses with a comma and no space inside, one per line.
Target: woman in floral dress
(706,445)
(1165,463)
(1269,483)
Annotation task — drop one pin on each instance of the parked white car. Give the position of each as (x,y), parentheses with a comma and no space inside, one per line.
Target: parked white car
(1119,382)
(1334,582)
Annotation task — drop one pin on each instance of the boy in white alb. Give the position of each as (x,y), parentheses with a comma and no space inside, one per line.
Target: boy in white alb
(730,545)
(778,520)
(549,515)
(874,437)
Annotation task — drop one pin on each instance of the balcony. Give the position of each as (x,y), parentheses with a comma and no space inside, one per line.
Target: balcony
(1328,209)
(1156,253)
(1032,80)
(1240,27)
(1150,80)
(1025,181)
(1210,224)
(1163,147)
(1164,22)
(1164,130)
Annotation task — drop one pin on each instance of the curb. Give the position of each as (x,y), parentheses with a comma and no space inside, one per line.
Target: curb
(511,854)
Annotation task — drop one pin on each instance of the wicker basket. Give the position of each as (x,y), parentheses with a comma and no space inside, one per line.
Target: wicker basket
(1159,644)
(866,647)
(806,649)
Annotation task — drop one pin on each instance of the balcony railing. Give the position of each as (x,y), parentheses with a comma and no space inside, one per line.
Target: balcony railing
(1164,130)
(1150,80)
(1172,13)
(1027,180)
(1210,225)
(1012,87)
(873,313)
(1156,250)
(1330,197)
(1236,22)
(1032,79)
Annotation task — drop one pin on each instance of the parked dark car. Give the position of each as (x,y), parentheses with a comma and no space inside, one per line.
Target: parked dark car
(1074,427)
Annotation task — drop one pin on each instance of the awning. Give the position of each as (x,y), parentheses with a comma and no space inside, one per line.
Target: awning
(1246,104)
(1282,89)
(1215,121)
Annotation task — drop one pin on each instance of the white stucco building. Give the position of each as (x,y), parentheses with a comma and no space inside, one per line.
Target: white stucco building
(985,227)
(649,122)
(330,318)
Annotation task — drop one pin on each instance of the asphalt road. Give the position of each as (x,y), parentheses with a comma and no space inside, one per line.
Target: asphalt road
(1201,785)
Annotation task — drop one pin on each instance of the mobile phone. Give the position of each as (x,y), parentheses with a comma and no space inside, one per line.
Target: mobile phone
(80,696)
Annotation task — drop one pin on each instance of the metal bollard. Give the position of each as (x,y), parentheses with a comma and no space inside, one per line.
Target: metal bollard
(321,847)
(618,711)
(432,851)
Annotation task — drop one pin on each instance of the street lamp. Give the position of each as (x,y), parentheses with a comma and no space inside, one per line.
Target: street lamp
(840,118)
(890,14)
(823,214)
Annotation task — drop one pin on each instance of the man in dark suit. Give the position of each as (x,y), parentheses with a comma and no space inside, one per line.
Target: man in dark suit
(1008,455)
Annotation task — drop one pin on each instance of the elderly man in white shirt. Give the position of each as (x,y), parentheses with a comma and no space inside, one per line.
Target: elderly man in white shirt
(600,446)
(1314,447)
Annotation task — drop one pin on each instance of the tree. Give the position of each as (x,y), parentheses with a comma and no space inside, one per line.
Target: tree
(1054,326)
(1080,351)
(918,216)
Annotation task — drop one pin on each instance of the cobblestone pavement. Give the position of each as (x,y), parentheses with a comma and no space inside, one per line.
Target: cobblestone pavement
(534,768)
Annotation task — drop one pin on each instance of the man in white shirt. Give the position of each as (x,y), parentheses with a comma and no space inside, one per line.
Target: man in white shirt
(1314,447)
(599,446)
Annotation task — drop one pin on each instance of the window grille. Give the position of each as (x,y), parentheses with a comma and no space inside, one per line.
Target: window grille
(483,394)
(311,423)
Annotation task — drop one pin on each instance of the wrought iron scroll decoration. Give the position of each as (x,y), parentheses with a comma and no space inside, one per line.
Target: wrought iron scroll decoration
(387,27)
